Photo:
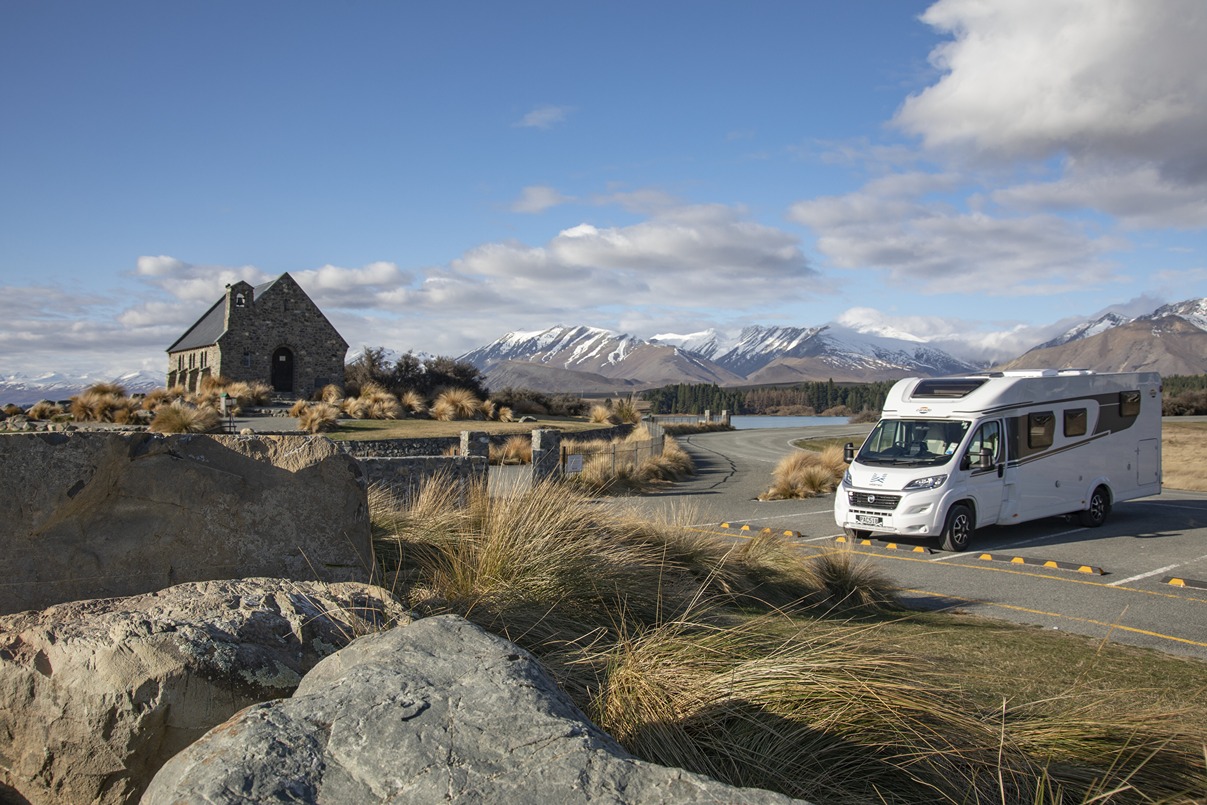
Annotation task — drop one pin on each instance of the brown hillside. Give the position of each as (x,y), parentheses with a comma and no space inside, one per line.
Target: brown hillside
(1169,345)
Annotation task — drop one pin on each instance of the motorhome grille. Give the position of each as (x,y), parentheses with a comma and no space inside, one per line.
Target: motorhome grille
(871,501)
(946,387)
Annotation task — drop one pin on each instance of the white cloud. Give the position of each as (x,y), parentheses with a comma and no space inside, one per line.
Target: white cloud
(538,198)
(935,249)
(544,117)
(1110,79)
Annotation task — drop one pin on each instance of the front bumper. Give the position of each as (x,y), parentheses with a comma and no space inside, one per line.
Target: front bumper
(906,513)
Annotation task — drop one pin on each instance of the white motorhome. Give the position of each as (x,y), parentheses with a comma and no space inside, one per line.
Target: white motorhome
(952,454)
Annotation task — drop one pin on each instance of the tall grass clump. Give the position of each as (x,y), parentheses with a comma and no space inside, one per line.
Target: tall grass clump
(805,474)
(319,417)
(516,449)
(182,417)
(602,415)
(753,662)
(44,409)
(454,404)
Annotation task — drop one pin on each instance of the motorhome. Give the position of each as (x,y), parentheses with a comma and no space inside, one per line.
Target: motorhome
(953,454)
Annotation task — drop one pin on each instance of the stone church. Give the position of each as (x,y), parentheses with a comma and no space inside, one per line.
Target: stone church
(271,333)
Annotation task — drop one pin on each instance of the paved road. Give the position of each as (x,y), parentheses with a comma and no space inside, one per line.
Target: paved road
(1143,544)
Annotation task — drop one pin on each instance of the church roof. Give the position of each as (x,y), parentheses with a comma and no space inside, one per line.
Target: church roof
(209,327)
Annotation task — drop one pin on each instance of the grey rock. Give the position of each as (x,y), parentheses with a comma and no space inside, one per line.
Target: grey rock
(96,695)
(437,711)
(98,515)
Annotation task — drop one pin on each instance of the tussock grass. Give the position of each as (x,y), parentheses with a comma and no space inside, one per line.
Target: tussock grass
(516,449)
(455,404)
(44,409)
(602,415)
(804,474)
(319,417)
(413,403)
(182,417)
(759,664)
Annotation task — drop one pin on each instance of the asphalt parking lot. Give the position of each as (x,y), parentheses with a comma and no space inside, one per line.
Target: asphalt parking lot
(1140,579)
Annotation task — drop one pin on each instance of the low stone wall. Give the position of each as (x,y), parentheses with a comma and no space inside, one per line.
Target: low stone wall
(94,515)
(441,445)
(404,476)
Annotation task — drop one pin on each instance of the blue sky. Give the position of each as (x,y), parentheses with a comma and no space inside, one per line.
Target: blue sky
(436,175)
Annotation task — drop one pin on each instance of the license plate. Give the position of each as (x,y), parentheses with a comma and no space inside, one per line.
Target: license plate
(867,519)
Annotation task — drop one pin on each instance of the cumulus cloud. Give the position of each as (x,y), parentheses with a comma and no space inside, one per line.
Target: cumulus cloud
(936,249)
(544,117)
(538,198)
(682,257)
(1107,79)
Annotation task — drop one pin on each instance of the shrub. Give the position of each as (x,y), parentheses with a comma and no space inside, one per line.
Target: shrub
(413,403)
(515,449)
(331,393)
(182,417)
(626,412)
(319,417)
(867,415)
(44,409)
(805,474)
(298,407)
(96,405)
(456,404)
(602,415)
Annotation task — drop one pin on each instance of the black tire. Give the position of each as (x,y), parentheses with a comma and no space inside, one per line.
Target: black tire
(1095,514)
(856,533)
(957,530)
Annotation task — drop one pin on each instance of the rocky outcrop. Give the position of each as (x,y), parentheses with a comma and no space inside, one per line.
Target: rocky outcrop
(96,695)
(436,711)
(93,515)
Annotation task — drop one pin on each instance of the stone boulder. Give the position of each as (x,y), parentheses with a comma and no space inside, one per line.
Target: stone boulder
(436,711)
(96,695)
(98,515)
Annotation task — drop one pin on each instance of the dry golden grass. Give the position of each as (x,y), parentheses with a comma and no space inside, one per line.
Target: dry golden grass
(319,417)
(456,404)
(805,474)
(602,415)
(676,642)
(515,449)
(183,417)
(1183,455)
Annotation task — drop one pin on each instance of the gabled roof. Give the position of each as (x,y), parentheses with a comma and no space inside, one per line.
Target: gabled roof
(206,331)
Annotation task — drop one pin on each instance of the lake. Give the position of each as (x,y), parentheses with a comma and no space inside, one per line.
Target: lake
(745,422)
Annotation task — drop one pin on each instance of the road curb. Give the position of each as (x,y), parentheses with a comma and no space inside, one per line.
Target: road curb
(748,530)
(1049,563)
(1176,581)
(892,546)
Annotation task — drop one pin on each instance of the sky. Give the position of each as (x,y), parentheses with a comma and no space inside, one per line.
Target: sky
(975,173)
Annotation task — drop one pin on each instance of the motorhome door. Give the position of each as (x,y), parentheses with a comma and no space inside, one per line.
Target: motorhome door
(986,481)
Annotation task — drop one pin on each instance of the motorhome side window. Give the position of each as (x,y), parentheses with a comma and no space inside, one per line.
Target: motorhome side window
(987,437)
(1041,428)
(1075,422)
(1129,403)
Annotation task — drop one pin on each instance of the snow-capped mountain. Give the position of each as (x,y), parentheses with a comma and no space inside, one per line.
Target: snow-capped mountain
(1086,329)
(706,343)
(595,351)
(791,354)
(761,355)
(27,389)
(1193,311)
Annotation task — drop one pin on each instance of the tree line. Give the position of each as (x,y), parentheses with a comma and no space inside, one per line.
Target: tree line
(800,398)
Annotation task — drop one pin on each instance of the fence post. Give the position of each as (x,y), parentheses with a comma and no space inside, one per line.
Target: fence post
(475,443)
(546,454)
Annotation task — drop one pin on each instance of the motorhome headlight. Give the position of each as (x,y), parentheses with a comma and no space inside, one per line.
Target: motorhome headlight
(929,482)
(846,479)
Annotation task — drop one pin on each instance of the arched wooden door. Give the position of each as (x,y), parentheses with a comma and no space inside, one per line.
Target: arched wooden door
(282,369)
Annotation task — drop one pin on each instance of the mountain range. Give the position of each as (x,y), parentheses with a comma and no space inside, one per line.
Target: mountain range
(1171,340)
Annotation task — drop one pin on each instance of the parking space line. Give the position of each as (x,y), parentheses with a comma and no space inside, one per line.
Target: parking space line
(1059,616)
(1155,572)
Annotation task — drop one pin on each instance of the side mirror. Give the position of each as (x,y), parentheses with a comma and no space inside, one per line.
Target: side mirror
(848,452)
(985,458)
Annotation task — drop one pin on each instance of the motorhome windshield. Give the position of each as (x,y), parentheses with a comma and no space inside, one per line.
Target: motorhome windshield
(913,442)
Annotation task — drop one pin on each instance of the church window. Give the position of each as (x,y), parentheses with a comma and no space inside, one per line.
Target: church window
(240,300)
(247,358)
